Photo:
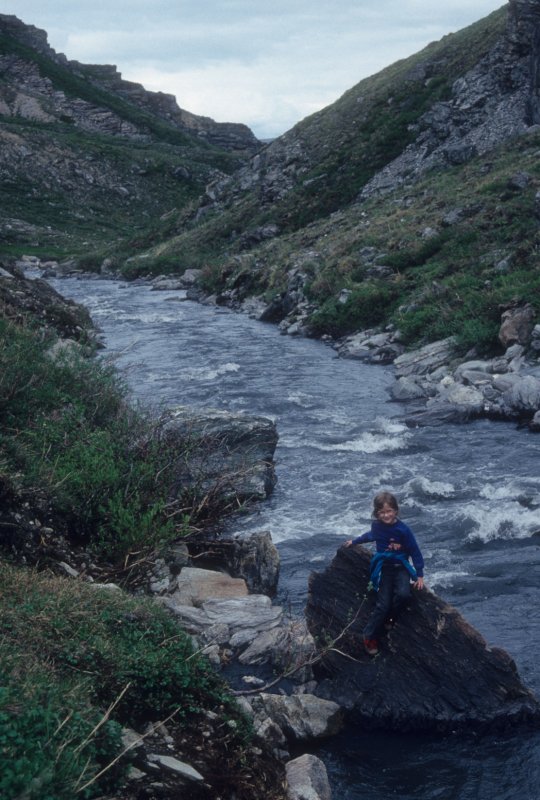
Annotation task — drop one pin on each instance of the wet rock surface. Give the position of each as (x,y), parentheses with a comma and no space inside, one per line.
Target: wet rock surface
(434,670)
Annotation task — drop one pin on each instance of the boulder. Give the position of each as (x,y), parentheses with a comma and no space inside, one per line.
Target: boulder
(194,586)
(301,717)
(434,671)
(232,453)
(406,389)
(523,397)
(289,648)
(466,399)
(307,779)
(255,558)
(426,359)
(251,556)
(517,325)
(375,348)
(237,620)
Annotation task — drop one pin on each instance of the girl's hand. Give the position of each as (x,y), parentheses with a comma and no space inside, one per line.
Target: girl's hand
(347,543)
(419,583)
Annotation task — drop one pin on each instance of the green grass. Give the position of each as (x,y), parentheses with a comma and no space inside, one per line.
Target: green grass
(78,662)
(68,431)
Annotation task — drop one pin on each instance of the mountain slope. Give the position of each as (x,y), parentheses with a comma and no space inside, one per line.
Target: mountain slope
(411,201)
(324,162)
(86,156)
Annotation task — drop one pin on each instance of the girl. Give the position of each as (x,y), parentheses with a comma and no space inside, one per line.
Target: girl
(391,570)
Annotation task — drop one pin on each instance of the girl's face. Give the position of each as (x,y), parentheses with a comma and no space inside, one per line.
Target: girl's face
(387,514)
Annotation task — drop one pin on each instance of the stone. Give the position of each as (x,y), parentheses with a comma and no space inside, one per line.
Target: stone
(263,647)
(193,619)
(163,283)
(472,366)
(194,586)
(426,359)
(234,452)
(375,348)
(434,671)
(517,325)
(307,779)
(255,558)
(254,612)
(288,647)
(523,397)
(179,768)
(301,717)
(267,730)
(464,398)
(407,388)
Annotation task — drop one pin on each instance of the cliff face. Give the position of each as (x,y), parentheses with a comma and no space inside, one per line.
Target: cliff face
(226,135)
(497,100)
(87,158)
(26,92)
(457,99)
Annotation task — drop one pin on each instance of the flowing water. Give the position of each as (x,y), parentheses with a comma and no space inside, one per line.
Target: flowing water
(471,493)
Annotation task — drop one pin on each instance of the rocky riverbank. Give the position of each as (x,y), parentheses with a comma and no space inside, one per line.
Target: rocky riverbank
(220,591)
(436,382)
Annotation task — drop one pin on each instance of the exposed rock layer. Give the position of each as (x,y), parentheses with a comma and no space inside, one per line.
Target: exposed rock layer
(434,671)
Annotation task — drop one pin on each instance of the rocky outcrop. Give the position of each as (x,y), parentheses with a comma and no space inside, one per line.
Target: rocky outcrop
(234,452)
(434,671)
(22,298)
(26,92)
(506,387)
(495,101)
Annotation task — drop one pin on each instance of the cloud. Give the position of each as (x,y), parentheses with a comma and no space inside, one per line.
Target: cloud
(268,65)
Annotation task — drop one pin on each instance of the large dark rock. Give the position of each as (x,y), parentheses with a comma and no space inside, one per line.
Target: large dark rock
(434,671)
(232,454)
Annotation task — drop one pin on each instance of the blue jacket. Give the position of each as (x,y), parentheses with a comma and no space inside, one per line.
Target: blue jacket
(399,533)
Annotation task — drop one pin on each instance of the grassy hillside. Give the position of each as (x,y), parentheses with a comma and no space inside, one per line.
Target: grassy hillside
(437,258)
(341,147)
(68,188)
(435,262)
(85,474)
(76,665)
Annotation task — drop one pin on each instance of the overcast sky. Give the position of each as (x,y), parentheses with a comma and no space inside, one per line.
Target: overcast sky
(268,64)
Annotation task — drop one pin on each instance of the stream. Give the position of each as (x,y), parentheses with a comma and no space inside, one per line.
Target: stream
(471,494)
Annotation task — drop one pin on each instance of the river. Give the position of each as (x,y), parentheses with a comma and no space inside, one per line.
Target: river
(471,493)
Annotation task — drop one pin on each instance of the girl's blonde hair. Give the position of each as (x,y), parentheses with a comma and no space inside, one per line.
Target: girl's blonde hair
(384,499)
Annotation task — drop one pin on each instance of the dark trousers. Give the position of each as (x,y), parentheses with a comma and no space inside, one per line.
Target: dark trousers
(394,592)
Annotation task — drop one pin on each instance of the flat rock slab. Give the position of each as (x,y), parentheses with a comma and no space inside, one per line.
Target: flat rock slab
(195,586)
(434,670)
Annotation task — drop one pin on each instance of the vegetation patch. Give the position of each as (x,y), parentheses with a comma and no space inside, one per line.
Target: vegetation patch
(111,480)
(77,662)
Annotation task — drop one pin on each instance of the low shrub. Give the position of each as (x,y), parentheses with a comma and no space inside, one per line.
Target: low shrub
(51,740)
(77,661)
(69,432)
(367,305)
